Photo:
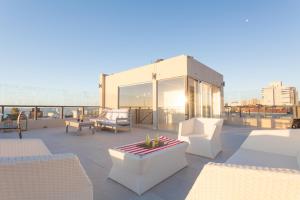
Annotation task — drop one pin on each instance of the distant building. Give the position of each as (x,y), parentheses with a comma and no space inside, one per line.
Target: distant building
(276,94)
(245,102)
(250,102)
(234,103)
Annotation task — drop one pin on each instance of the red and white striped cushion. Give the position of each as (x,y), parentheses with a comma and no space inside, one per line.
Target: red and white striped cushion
(137,150)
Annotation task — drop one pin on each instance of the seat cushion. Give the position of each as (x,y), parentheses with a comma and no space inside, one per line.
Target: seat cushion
(263,159)
(107,122)
(24,147)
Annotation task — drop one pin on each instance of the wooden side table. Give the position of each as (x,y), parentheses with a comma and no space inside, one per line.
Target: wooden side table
(79,125)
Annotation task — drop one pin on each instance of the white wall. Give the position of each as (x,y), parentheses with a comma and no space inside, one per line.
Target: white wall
(173,67)
(201,72)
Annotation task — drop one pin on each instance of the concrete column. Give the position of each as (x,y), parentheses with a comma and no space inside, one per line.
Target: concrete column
(102,90)
(155,104)
(222,108)
(295,112)
(186,97)
(2,112)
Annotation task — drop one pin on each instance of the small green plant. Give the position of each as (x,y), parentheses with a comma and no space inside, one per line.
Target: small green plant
(148,140)
(156,140)
(153,144)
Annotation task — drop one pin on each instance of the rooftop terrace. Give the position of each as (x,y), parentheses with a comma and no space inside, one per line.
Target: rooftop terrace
(93,153)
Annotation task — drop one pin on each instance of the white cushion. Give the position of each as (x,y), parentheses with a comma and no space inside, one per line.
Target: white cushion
(123,115)
(284,142)
(115,115)
(263,159)
(198,128)
(108,115)
(24,147)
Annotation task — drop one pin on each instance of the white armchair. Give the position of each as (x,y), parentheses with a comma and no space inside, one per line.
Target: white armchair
(202,135)
(28,171)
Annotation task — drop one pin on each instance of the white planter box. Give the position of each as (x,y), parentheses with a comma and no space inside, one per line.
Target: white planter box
(140,173)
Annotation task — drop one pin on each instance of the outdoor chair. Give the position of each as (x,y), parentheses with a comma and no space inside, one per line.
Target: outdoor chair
(202,135)
(18,126)
(28,171)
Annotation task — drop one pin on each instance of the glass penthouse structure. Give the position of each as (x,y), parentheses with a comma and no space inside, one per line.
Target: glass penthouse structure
(165,92)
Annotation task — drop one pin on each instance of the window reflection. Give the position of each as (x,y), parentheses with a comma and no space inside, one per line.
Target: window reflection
(171,103)
(206,99)
(139,99)
(136,96)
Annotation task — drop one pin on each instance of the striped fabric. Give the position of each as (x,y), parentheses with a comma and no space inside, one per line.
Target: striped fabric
(137,150)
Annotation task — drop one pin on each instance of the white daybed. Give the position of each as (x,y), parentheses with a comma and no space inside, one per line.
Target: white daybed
(266,167)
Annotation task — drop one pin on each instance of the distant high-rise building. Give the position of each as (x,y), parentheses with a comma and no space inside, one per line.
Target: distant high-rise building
(250,102)
(276,94)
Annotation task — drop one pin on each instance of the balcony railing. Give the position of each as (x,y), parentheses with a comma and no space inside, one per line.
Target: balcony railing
(36,112)
(262,111)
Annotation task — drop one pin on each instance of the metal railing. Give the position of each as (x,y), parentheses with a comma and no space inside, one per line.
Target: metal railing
(141,114)
(48,111)
(262,111)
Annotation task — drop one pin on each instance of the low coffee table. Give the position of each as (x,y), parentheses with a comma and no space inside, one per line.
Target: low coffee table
(79,125)
(139,169)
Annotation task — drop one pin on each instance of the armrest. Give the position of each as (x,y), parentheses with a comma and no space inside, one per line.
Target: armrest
(235,182)
(56,177)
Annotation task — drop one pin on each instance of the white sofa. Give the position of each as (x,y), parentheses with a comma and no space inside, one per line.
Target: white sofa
(202,135)
(113,118)
(266,167)
(28,171)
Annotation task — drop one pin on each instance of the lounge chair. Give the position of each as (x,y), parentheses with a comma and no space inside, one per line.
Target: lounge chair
(114,118)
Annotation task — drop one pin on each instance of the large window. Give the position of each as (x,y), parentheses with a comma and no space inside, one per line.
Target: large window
(204,99)
(139,99)
(135,96)
(216,100)
(171,103)
(192,97)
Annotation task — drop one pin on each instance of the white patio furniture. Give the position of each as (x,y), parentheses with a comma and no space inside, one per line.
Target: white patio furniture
(114,118)
(28,171)
(80,125)
(202,135)
(141,172)
(266,167)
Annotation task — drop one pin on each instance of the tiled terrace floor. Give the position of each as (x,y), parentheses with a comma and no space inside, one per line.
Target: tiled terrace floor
(93,153)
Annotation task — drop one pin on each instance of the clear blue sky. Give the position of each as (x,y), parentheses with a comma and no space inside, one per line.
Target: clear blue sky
(66,44)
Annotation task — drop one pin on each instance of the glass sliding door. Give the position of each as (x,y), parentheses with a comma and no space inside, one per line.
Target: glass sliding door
(171,103)
(139,99)
(192,98)
(216,102)
(206,99)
